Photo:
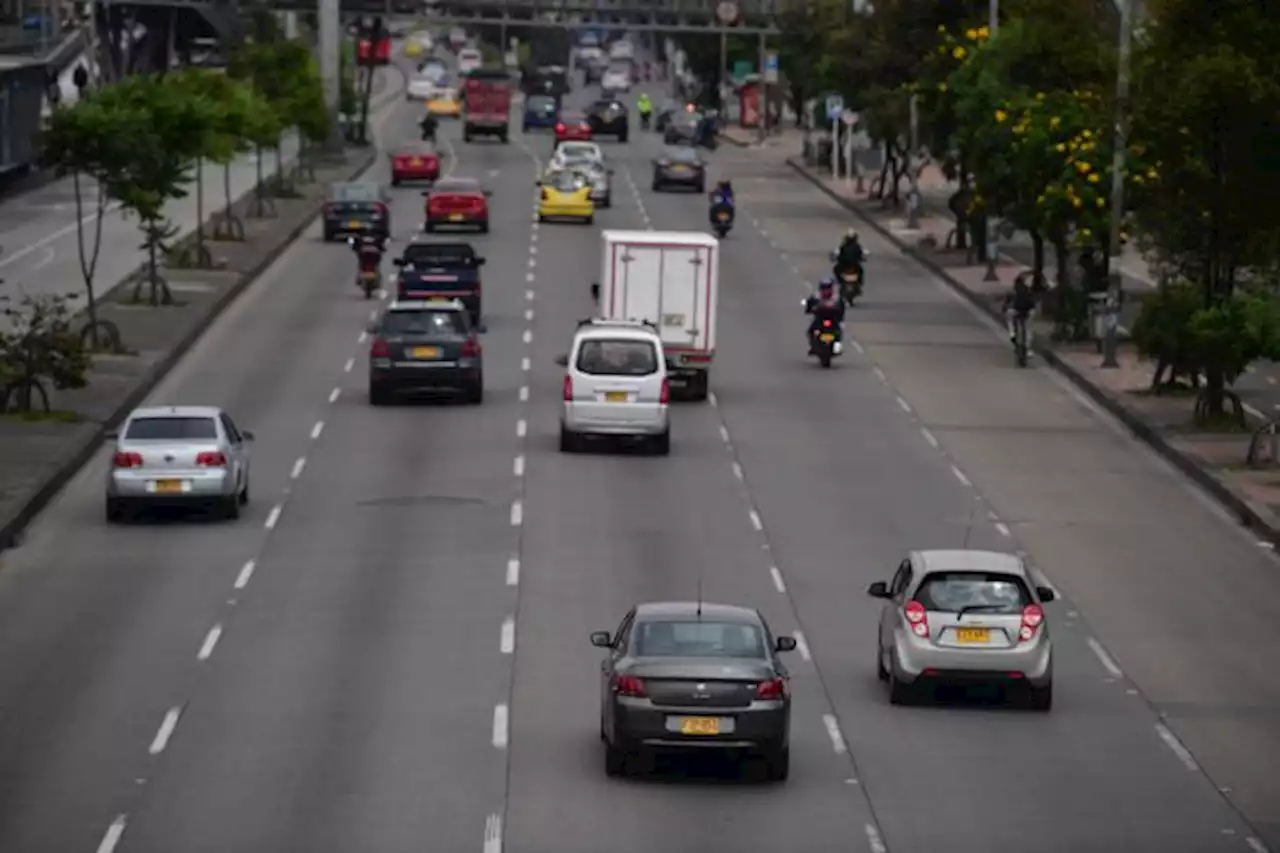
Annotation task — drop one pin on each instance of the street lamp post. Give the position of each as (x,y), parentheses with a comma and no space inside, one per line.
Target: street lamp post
(992,230)
(1115,292)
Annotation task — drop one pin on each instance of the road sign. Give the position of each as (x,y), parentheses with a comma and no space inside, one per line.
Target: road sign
(835,106)
(727,12)
(850,117)
(771,68)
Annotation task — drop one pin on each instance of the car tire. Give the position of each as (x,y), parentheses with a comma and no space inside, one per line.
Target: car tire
(590,220)
(504,138)
(701,188)
(475,394)
(701,387)
(427,227)
(900,693)
(243,497)
(484,227)
(622,137)
(115,511)
(881,673)
(568,440)
(662,444)
(1040,698)
(541,218)
(657,187)
(328,236)
(395,182)
(231,508)
(378,396)
(608,201)
(777,765)
(615,761)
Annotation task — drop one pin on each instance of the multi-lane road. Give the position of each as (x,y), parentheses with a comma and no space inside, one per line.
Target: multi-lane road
(388,652)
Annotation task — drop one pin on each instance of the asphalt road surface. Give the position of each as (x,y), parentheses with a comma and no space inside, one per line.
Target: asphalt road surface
(388,652)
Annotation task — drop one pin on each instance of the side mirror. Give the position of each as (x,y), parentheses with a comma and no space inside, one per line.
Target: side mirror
(488,193)
(479,262)
(1046,594)
(537,183)
(372,328)
(111,434)
(247,435)
(398,262)
(601,639)
(595,291)
(426,193)
(785,644)
(879,589)
(562,360)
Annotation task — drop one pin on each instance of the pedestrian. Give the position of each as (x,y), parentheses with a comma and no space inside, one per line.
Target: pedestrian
(80,77)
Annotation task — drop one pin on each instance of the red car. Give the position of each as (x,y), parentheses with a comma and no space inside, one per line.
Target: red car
(573,127)
(457,202)
(414,161)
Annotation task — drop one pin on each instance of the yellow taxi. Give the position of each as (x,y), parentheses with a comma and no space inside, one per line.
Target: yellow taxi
(444,103)
(566,195)
(413,48)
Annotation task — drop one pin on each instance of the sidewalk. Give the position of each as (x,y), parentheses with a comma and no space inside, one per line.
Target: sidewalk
(1216,460)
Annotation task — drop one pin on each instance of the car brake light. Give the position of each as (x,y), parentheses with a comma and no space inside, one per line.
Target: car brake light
(916,615)
(568,389)
(629,685)
(545,195)
(560,127)
(1032,617)
(211,459)
(127,460)
(774,688)
(471,348)
(664,396)
(379,210)
(379,349)
(329,208)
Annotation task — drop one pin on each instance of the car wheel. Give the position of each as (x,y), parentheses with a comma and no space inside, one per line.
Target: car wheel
(622,137)
(395,182)
(700,387)
(378,396)
(1040,698)
(475,394)
(900,693)
(615,760)
(777,765)
(244,493)
(608,201)
(231,508)
(662,444)
(541,218)
(656,187)
(427,227)
(484,227)
(328,236)
(568,441)
(701,188)
(881,672)
(115,511)
(590,220)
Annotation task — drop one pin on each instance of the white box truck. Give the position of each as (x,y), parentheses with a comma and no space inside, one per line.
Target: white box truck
(672,280)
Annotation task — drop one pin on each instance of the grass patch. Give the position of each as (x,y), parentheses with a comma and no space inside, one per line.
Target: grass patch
(57,416)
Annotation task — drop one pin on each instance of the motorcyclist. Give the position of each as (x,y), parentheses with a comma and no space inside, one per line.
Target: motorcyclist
(850,255)
(824,304)
(369,250)
(644,106)
(1019,303)
(428,124)
(722,194)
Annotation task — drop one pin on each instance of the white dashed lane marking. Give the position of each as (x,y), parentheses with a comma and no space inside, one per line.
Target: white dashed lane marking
(210,643)
(1003,529)
(964,481)
(316,430)
(346,368)
(1175,745)
(334,394)
(517,513)
(904,405)
(777,580)
(298,465)
(513,571)
(246,572)
(273,516)
(833,732)
(1108,662)
(500,715)
(507,636)
(167,727)
(521,428)
(929,437)
(112,836)
(802,645)
(524,393)
(517,467)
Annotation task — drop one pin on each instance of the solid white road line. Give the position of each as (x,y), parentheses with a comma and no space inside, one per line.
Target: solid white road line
(833,732)
(167,725)
(316,430)
(517,513)
(273,517)
(1108,663)
(507,639)
(513,571)
(500,726)
(210,642)
(493,834)
(112,836)
(246,572)
(777,579)
(802,645)
(1171,741)
(964,481)
(298,465)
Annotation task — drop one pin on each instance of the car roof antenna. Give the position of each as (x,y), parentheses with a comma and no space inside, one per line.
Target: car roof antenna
(699,598)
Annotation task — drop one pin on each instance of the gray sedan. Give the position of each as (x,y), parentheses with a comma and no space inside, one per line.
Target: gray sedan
(694,676)
(188,456)
(600,176)
(680,167)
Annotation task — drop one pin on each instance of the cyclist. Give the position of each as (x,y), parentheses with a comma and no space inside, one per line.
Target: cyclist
(1019,303)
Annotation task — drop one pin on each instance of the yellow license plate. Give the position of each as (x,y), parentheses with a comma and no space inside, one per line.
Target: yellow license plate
(416,161)
(615,396)
(973,635)
(679,170)
(425,352)
(168,487)
(353,223)
(826,339)
(457,217)
(700,726)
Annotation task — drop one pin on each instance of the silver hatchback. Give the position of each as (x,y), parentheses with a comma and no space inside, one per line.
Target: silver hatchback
(616,385)
(187,456)
(963,617)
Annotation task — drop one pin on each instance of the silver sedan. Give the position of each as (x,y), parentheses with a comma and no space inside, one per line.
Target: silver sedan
(187,456)
(600,176)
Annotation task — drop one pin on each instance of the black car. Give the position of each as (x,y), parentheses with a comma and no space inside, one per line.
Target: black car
(681,128)
(609,117)
(694,676)
(356,208)
(679,167)
(425,346)
(440,270)
(662,117)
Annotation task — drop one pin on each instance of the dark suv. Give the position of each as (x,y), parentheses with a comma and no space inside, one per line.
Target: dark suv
(609,117)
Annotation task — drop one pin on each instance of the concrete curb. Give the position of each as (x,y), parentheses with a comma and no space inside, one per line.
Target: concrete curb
(13,527)
(1250,516)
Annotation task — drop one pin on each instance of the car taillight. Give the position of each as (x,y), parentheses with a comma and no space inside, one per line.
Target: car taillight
(560,128)
(916,615)
(775,689)
(1032,618)
(379,349)
(127,460)
(664,396)
(471,348)
(545,195)
(211,459)
(379,211)
(629,685)
(329,209)
(401,162)
(568,389)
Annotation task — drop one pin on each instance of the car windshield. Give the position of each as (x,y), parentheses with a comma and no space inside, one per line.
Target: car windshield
(698,639)
(991,592)
(540,103)
(456,185)
(429,323)
(621,357)
(438,254)
(171,429)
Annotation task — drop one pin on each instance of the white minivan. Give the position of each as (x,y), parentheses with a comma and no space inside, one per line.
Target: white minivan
(615,385)
(469,59)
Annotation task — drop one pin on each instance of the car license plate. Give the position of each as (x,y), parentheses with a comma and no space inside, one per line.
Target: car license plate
(168,487)
(700,726)
(679,170)
(416,161)
(425,352)
(456,217)
(615,396)
(850,276)
(353,223)
(973,635)
(826,339)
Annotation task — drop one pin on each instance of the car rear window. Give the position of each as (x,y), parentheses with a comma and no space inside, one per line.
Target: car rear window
(603,357)
(439,323)
(698,639)
(991,592)
(541,102)
(456,185)
(355,192)
(438,254)
(171,429)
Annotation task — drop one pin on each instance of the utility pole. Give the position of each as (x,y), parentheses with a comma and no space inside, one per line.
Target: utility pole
(913,206)
(992,230)
(724,60)
(993,16)
(1115,291)
(330,64)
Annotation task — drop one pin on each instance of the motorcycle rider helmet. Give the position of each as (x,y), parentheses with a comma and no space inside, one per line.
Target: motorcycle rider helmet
(851,235)
(826,286)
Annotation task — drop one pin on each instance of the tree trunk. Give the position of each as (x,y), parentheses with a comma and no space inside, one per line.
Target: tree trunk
(88,264)
(364,106)
(1062,257)
(226,187)
(1037,262)
(199,260)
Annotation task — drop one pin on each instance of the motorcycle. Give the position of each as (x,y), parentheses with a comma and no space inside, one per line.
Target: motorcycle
(369,276)
(825,341)
(721,215)
(645,120)
(850,279)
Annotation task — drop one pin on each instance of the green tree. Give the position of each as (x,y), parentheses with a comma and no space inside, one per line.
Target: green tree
(259,65)
(1205,110)
(39,343)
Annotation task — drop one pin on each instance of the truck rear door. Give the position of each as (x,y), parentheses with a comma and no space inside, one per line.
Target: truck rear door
(667,284)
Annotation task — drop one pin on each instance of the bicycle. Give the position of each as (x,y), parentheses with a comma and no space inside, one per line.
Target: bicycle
(1021,334)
